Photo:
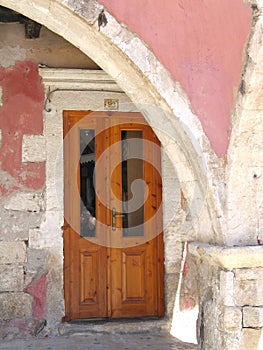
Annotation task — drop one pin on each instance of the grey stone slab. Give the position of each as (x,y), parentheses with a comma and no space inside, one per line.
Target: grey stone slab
(101,342)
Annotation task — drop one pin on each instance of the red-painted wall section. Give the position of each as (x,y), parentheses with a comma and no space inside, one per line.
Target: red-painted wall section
(38,290)
(201,43)
(21,113)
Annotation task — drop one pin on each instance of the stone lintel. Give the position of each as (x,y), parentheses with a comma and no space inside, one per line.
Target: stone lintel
(77,79)
(228,257)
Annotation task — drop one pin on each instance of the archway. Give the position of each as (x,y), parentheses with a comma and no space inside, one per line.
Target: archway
(182,143)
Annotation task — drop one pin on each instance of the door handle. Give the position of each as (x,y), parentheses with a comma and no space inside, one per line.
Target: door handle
(114,215)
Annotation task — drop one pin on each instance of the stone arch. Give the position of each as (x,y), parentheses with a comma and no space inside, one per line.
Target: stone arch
(244,174)
(127,59)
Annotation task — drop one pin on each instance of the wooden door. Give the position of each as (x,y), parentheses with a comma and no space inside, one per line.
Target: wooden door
(113,242)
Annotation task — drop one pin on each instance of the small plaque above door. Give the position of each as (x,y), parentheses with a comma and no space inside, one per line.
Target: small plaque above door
(111,104)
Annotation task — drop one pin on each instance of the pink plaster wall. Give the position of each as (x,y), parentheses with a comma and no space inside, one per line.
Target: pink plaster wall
(201,43)
(21,114)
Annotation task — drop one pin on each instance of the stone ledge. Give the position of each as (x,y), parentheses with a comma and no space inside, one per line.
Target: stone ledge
(228,257)
(78,78)
(113,327)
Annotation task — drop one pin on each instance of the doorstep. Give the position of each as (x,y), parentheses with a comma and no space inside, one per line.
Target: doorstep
(116,326)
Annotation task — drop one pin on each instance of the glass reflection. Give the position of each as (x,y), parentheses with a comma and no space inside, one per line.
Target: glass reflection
(87,185)
(132,183)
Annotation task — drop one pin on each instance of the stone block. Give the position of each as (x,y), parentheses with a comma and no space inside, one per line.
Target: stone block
(12,252)
(15,305)
(33,148)
(253,317)
(15,225)
(251,339)
(231,319)
(230,341)
(171,283)
(248,287)
(49,233)
(245,260)
(249,274)
(36,264)
(12,278)
(25,201)
(248,293)
(227,287)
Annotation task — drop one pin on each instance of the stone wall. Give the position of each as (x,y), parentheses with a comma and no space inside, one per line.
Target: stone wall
(31,260)
(230,297)
(22,181)
(49,49)
(227,202)
(32,180)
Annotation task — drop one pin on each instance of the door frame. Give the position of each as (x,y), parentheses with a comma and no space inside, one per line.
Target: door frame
(84,89)
(68,256)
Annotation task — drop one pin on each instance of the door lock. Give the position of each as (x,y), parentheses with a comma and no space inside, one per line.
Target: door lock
(114,215)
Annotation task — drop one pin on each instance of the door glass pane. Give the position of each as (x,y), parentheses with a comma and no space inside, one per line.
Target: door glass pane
(132,183)
(87,183)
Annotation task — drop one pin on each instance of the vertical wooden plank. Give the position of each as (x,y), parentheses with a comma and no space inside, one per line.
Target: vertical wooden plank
(159,238)
(66,236)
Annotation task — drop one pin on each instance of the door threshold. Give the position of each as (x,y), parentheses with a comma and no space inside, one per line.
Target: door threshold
(120,320)
(115,326)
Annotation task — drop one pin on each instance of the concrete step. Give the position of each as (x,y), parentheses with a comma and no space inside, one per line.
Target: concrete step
(123,326)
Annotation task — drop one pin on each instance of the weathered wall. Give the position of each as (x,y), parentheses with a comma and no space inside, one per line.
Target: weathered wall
(22,204)
(49,49)
(25,270)
(37,277)
(214,199)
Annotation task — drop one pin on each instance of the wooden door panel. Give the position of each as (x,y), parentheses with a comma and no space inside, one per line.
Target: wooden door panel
(133,287)
(133,276)
(85,261)
(89,284)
